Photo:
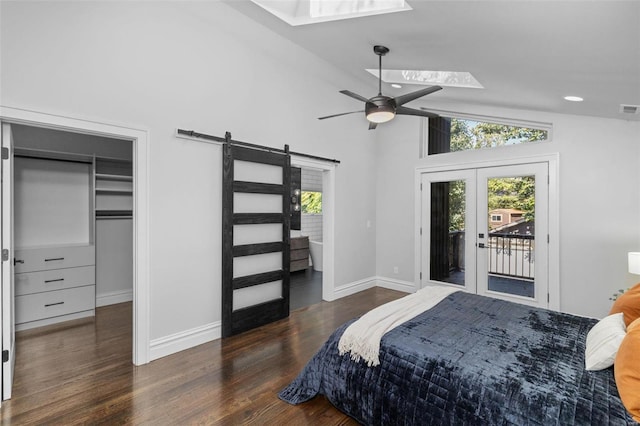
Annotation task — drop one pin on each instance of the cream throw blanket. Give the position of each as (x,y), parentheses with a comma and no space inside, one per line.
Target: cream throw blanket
(362,338)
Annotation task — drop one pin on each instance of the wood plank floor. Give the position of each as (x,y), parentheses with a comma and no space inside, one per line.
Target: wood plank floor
(81,372)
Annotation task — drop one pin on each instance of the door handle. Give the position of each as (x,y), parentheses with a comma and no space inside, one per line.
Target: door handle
(16,261)
(481,245)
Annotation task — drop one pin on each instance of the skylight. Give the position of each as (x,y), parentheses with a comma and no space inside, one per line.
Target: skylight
(303,12)
(429,78)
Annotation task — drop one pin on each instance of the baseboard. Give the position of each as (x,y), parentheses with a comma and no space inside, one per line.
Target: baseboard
(114,297)
(184,340)
(187,339)
(393,284)
(353,287)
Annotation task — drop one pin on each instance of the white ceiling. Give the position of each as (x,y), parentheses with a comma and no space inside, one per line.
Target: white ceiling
(527,54)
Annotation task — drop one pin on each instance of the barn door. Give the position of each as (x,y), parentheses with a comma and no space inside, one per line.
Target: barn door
(255,241)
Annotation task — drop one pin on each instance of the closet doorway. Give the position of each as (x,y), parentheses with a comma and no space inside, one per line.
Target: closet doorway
(99,185)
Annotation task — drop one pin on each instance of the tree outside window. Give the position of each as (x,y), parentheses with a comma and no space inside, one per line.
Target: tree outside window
(311,202)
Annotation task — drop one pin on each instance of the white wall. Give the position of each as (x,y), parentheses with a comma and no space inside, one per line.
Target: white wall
(599,191)
(201,66)
(52,202)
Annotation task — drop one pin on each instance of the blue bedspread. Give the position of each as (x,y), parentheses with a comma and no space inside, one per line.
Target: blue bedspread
(470,360)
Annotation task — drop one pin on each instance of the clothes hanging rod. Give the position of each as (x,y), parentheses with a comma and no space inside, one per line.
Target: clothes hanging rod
(113,217)
(44,156)
(112,213)
(193,134)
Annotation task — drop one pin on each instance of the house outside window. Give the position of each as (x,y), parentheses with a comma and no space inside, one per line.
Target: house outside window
(502,217)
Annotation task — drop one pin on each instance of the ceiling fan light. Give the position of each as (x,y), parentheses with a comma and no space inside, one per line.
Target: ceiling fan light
(380,116)
(380,113)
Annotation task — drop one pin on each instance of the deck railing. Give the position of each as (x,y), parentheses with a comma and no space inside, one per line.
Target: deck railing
(509,255)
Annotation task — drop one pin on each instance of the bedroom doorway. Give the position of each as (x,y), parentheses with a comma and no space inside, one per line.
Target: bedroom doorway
(306,277)
(485,230)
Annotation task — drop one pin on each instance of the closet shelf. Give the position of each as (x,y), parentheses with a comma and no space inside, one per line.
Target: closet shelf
(106,176)
(114,190)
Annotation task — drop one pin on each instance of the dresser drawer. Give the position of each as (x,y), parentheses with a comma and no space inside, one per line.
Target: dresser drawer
(299,254)
(54,279)
(45,258)
(49,304)
(298,265)
(299,243)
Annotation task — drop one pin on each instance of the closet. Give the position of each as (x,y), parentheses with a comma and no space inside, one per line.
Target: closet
(114,230)
(73,215)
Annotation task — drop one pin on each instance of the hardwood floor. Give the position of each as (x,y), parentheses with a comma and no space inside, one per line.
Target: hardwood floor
(305,288)
(81,372)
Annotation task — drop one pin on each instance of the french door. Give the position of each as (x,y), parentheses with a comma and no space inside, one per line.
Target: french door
(485,230)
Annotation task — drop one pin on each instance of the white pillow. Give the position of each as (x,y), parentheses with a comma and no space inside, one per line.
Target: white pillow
(603,341)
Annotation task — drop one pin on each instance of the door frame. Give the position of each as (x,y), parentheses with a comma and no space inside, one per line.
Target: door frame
(553,260)
(140,141)
(8,290)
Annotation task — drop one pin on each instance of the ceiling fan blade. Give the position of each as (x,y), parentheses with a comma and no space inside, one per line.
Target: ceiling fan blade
(410,111)
(372,126)
(338,115)
(403,99)
(354,95)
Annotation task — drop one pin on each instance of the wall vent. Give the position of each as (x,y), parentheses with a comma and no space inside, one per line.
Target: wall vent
(629,109)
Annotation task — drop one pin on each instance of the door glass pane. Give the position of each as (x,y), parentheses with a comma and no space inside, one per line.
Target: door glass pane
(448,232)
(511,235)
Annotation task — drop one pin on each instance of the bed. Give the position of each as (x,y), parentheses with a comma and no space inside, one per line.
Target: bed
(469,360)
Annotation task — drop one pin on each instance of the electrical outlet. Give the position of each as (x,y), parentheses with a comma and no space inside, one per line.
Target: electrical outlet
(396,270)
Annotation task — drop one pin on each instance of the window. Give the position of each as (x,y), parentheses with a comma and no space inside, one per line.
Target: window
(303,12)
(452,134)
(311,202)
(496,218)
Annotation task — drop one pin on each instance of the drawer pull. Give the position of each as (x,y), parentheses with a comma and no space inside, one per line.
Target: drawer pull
(53,281)
(54,258)
(53,304)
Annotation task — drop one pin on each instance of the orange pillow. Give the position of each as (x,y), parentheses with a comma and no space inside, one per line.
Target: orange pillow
(629,304)
(627,370)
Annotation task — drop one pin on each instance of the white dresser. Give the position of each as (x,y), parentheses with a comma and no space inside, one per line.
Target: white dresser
(54,284)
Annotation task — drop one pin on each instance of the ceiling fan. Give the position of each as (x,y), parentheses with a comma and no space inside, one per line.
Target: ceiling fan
(381,108)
